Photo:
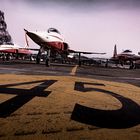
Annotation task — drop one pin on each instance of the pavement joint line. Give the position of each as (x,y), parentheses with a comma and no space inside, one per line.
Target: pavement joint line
(74,69)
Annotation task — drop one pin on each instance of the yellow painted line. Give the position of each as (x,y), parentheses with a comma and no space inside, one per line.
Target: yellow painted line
(73,71)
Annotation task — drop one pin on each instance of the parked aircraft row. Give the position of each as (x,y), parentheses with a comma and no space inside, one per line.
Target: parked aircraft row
(52,42)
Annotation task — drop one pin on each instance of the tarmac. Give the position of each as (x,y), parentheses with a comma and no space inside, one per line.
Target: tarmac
(64,102)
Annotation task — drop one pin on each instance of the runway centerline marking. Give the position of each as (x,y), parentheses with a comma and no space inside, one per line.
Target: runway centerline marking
(73,71)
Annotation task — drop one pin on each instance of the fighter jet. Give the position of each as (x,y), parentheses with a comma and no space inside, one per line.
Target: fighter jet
(125,56)
(13,49)
(52,42)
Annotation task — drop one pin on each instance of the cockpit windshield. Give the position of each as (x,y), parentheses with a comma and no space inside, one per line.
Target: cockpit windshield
(53,30)
(127,51)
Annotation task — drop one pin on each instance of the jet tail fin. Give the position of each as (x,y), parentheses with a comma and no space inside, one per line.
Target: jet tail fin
(115,51)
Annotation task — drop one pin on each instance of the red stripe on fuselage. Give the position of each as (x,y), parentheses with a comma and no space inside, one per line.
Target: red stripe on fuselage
(56,45)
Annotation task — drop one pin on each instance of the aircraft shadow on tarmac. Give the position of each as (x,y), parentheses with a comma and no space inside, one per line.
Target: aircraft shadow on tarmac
(127,116)
(23,95)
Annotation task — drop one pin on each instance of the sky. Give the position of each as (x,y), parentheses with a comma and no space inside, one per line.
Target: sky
(87,25)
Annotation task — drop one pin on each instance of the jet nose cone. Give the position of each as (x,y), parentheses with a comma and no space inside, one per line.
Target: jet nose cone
(25,30)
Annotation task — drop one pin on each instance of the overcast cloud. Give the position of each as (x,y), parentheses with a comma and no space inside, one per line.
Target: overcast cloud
(87,25)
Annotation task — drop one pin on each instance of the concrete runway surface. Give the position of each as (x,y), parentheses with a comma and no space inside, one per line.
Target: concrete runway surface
(63,102)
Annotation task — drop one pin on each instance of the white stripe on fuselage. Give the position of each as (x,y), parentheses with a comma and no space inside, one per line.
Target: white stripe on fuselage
(49,37)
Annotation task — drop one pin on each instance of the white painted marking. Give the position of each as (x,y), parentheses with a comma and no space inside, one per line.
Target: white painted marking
(73,71)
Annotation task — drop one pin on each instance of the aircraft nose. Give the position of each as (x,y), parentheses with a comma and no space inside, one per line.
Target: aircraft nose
(25,30)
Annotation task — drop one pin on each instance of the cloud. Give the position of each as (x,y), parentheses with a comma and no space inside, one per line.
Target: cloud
(87,25)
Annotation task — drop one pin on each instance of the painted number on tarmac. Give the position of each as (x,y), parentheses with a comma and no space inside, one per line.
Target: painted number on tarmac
(127,116)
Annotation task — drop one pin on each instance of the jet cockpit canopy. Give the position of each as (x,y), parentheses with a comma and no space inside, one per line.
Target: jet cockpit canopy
(53,30)
(127,51)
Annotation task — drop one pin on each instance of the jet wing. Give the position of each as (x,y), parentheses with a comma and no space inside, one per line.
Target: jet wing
(89,52)
(84,52)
